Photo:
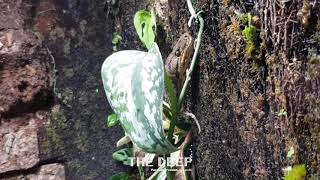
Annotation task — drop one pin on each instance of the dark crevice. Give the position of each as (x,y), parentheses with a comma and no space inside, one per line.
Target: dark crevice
(23,86)
(41,102)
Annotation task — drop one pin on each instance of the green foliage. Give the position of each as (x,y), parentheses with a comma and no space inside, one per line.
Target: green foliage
(145,24)
(250,35)
(245,18)
(172,93)
(124,155)
(173,104)
(298,172)
(116,39)
(141,173)
(282,112)
(120,176)
(112,120)
(140,116)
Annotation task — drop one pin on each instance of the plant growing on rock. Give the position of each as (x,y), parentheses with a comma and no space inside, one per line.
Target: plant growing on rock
(134,83)
(250,33)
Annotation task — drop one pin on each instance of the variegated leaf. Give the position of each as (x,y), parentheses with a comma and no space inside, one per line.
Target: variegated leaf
(134,85)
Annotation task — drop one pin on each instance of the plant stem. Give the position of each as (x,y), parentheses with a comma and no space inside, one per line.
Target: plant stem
(189,73)
(141,172)
(195,55)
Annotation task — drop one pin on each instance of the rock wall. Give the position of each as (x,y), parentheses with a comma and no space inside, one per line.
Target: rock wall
(53,108)
(252,107)
(25,96)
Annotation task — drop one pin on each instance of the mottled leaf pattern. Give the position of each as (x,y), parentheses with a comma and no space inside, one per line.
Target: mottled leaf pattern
(134,85)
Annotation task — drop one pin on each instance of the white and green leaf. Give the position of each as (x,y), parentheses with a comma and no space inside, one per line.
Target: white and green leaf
(145,24)
(134,85)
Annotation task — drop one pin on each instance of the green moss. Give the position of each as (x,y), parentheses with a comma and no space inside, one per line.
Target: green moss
(52,143)
(81,143)
(245,18)
(59,118)
(298,172)
(76,167)
(250,35)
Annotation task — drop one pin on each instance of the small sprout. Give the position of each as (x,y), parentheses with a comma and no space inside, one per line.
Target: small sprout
(112,120)
(297,172)
(290,152)
(116,39)
(283,113)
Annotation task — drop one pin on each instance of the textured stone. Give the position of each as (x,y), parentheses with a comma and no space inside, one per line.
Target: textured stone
(14,13)
(24,75)
(19,143)
(45,172)
(49,172)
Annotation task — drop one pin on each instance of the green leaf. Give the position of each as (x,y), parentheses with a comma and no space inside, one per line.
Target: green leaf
(172,93)
(116,38)
(120,176)
(173,105)
(298,172)
(125,156)
(134,85)
(145,24)
(112,120)
(282,112)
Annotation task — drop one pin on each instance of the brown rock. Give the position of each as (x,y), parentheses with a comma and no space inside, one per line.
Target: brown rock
(24,77)
(19,143)
(45,172)
(14,13)
(49,172)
